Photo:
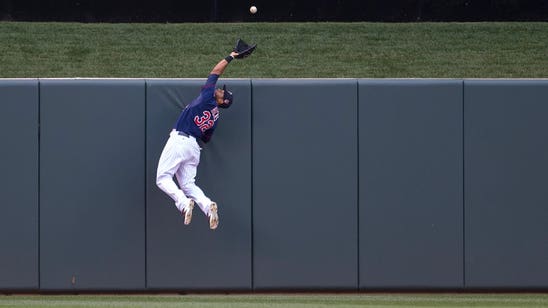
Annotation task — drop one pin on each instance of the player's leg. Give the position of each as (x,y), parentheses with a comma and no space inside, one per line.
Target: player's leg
(170,161)
(186,177)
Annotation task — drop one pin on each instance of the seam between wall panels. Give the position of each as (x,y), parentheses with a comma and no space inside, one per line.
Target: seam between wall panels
(145,185)
(358,185)
(38,182)
(252,188)
(463,191)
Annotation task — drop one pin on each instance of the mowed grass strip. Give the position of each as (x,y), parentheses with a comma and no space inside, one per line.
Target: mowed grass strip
(280,300)
(285,50)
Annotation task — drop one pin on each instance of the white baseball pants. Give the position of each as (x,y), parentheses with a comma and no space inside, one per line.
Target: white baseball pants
(180,158)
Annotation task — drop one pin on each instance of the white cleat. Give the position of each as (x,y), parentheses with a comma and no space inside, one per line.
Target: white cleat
(213,216)
(187,211)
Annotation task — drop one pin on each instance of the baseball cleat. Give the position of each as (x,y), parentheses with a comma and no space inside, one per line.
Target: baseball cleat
(213,216)
(187,211)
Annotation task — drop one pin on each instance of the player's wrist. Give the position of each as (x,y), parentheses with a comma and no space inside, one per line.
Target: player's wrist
(229,58)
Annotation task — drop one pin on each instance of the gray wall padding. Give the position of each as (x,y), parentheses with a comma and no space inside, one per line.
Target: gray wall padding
(92,202)
(410,181)
(193,257)
(304,184)
(19,184)
(322,184)
(506,170)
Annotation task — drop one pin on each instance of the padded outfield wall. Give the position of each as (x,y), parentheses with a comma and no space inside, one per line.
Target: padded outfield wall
(323,184)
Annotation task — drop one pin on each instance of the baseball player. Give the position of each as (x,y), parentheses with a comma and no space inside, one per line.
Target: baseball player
(181,153)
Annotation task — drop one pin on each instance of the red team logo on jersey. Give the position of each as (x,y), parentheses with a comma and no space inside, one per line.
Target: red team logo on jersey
(207,121)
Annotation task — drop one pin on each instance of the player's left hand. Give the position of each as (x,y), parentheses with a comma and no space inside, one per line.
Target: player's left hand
(243,49)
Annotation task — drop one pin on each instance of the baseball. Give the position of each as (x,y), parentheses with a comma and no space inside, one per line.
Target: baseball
(253,9)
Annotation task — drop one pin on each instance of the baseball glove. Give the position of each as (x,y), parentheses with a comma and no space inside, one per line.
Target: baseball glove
(243,49)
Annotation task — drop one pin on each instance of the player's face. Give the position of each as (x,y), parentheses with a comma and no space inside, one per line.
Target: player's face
(219,96)
(219,93)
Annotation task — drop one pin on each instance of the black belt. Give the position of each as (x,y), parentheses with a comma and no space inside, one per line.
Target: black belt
(183,134)
(188,136)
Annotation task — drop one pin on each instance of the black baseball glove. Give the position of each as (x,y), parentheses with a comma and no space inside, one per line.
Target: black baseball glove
(243,49)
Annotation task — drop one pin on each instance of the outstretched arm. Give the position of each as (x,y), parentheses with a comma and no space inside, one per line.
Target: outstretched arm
(220,67)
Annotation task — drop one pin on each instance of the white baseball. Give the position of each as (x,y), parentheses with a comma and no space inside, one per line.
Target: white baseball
(253,9)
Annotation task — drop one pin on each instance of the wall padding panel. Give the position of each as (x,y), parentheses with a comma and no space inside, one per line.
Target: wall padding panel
(19,184)
(92,200)
(410,184)
(506,171)
(194,257)
(305,184)
(322,184)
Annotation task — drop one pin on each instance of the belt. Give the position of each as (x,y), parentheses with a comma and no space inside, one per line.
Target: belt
(183,134)
(199,141)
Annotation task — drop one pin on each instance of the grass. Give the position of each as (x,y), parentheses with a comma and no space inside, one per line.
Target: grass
(280,300)
(285,50)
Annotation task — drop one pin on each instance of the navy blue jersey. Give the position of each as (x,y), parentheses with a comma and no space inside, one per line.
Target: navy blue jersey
(199,118)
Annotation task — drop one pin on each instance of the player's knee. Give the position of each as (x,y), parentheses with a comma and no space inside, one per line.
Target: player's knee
(187,186)
(160,178)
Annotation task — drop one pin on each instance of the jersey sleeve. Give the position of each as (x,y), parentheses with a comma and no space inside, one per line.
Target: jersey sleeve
(209,88)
